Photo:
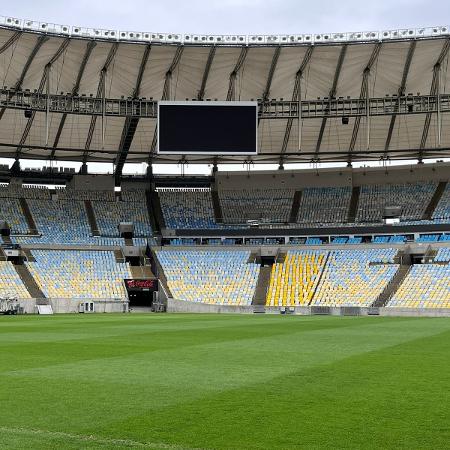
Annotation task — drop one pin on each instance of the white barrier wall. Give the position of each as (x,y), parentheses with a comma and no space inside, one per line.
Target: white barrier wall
(70,305)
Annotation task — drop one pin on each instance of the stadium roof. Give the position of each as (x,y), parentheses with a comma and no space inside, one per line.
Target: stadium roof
(341,68)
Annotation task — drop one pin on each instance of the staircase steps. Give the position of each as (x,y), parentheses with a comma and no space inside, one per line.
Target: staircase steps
(392,287)
(28,254)
(155,209)
(137,272)
(295,207)
(7,239)
(320,278)
(151,215)
(28,216)
(259,298)
(281,257)
(28,280)
(218,215)
(91,218)
(119,256)
(353,204)
(428,214)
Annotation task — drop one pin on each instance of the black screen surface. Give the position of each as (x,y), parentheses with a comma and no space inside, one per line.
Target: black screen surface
(207,128)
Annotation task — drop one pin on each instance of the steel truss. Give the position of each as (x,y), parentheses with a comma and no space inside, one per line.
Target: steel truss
(270,109)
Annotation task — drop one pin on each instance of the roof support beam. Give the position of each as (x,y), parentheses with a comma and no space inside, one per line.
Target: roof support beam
(364,94)
(400,93)
(332,94)
(231,94)
(100,93)
(201,92)
(296,93)
(273,66)
(131,123)
(434,90)
(44,82)
(90,46)
(18,85)
(166,93)
(10,41)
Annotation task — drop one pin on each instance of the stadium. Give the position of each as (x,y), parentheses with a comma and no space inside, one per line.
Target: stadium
(296,296)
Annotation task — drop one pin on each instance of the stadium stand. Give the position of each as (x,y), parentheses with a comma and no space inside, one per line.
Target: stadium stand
(79,274)
(294,281)
(10,283)
(442,210)
(425,286)
(413,198)
(218,277)
(355,277)
(266,205)
(324,205)
(187,208)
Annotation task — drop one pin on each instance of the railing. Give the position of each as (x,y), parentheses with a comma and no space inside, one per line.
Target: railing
(272,109)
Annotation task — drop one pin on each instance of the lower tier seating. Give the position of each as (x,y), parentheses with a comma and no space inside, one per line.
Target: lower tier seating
(218,277)
(355,277)
(425,286)
(294,281)
(11,284)
(79,274)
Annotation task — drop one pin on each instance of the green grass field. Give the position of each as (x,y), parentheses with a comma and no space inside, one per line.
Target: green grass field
(224,382)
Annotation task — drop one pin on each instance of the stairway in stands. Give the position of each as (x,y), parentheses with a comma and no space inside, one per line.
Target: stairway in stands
(28,279)
(155,211)
(428,214)
(353,204)
(259,298)
(218,215)
(295,207)
(392,287)
(91,218)
(28,216)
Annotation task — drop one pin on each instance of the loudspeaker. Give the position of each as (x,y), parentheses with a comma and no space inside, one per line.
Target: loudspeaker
(28,113)
(345,120)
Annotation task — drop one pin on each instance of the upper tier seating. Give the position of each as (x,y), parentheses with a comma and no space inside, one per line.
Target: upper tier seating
(220,277)
(349,278)
(413,198)
(79,274)
(443,255)
(293,282)
(12,213)
(324,205)
(187,208)
(72,194)
(11,284)
(425,286)
(110,214)
(442,210)
(25,191)
(266,205)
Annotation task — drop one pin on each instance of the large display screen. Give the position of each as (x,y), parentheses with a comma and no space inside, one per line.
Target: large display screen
(207,128)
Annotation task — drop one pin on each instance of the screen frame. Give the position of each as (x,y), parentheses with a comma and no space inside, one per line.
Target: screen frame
(200,103)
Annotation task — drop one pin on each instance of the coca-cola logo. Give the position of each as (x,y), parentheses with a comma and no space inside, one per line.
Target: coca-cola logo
(141,284)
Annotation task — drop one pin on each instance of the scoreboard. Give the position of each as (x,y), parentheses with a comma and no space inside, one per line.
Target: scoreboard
(207,128)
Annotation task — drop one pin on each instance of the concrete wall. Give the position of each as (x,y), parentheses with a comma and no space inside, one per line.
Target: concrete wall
(69,305)
(92,183)
(180,306)
(300,179)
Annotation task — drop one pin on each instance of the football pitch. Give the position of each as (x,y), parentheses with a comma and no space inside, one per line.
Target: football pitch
(224,382)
